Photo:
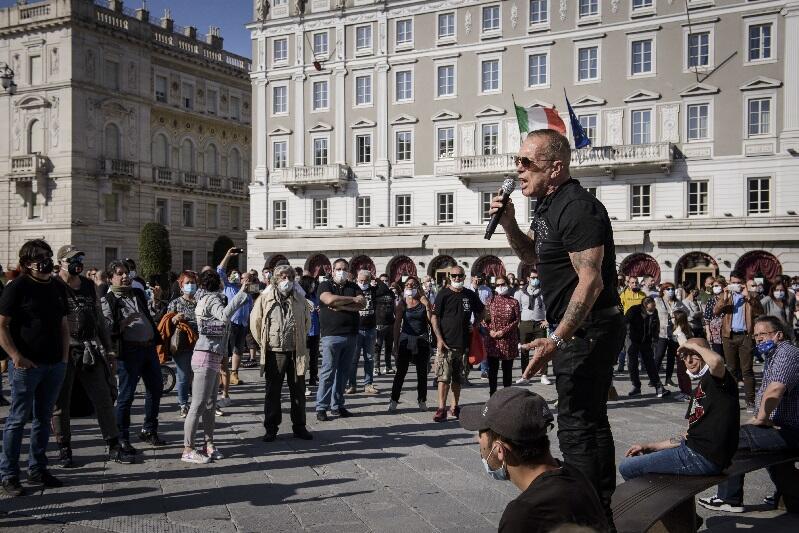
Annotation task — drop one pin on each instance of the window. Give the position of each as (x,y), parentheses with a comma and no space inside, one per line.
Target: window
(110,205)
(187,95)
(404,145)
(320,151)
(187,155)
(320,212)
(36,137)
(162,211)
(536,70)
(591,191)
(485,205)
(110,142)
(588,122)
(588,63)
(280,100)
(320,44)
(235,217)
(320,95)
(446,25)
(280,50)
(490,19)
(363,90)
(641,60)
(489,75)
(363,148)
(759,113)
(402,209)
(188,214)
(35,64)
(212,216)
(698,49)
(641,4)
(279,214)
(110,74)
(698,121)
(404,88)
(641,126)
(363,37)
(111,254)
(280,154)
(235,108)
(160,89)
(759,42)
(539,11)
(445,208)
(188,259)
(641,201)
(212,102)
(588,8)
(363,211)
(697,198)
(445,74)
(759,196)
(234,164)
(405,32)
(490,139)
(446,142)
(212,160)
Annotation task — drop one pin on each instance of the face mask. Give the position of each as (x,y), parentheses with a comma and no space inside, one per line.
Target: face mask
(189,288)
(410,293)
(699,374)
(535,282)
(285,287)
(234,277)
(795,287)
(716,290)
(737,288)
(340,276)
(765,347)
(650,313)
(267,276)
(44,267)
(502,290)
(635,288)
(779,294)
(457,284)
(75,267)
(363,285)
(132,274)
(500,474)
(669,293)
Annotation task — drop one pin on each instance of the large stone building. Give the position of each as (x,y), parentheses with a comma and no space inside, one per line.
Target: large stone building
(382,128)
(118,120)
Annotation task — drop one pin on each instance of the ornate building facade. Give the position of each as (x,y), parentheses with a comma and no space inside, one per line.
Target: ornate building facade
(117,120)
(382,127)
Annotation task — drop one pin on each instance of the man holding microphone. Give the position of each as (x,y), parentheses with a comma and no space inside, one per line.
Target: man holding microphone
(570,242)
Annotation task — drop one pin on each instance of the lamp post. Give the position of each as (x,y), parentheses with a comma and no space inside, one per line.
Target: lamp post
(7,77)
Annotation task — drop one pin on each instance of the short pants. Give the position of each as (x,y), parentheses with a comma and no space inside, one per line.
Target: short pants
(238,337)
(451,364)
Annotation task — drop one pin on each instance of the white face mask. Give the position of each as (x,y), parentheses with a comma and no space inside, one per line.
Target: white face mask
(717,289)
(410,293)
(779,295)
(363,285)
(457,284)
(737,288)
(699,374)
(502,290)
(285,287)
(340,276)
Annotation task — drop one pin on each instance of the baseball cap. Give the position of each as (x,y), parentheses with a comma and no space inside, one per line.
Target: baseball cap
(517,414)
(67,252)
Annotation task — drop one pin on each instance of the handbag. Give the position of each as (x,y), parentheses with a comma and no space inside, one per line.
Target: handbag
(179,341)
(212,327)
(477,352)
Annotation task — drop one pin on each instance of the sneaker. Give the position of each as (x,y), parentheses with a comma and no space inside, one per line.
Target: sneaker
(370,389)
(127,447)
(195,457)
(464,381)
(440,416)
(152,438)
(389,371)
(341,413)
(350,390)
(321,416)
(771,501)
(682,397)
(671,383)
(423,406)
(270,435)
(117,454)
(635,392)
(717,504)
(213,452)
(184,411)
(219,412)
(483,375)
(455,412)
(302,433)
(392,406)
(307,392)
(613,394)
(662,391)
(750,408)
(234,378)
(43,477)
(12,487)
(252,363)
(65,457)
(545,380)
(377,371)
(224,401)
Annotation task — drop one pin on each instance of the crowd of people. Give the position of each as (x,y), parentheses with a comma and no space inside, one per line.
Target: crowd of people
(109,329)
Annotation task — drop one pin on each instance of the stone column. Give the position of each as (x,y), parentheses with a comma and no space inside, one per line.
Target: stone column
(382,97)
(299,118)
(789,137)
(339,75)
(260,128)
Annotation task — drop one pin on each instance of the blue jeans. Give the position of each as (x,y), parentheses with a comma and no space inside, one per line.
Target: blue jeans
(681,460)
(184,375)
(33,391)
(337,355)
(365,345)
(138,362)
(756,438)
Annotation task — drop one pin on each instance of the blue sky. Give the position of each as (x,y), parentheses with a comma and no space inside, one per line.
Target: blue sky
(229,15)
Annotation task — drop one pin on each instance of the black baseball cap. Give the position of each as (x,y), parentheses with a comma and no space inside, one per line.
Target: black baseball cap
(517,414)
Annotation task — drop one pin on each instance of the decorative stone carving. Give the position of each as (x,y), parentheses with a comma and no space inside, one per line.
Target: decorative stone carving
(614,5)
(299,5)
(467,22)
(340,43)
(261,10)
(15,65)
(91,123)
(467,138)
(513,135)
(54,61)
(299,48)
(564,7)
(514,16)
(261,54)
(90,67)
(669,120)
(131,127)
(614,134)
(17,130)
(55,123)
(132,71)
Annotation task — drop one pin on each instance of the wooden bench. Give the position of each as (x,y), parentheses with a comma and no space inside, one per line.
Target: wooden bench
(661,503)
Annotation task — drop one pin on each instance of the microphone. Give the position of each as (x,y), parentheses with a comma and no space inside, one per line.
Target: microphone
(507,187)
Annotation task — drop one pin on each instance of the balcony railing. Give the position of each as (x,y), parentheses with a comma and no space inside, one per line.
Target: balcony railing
(298,178)
(236,185)
(191,179)
(30,164)
(117,167)
(214,182)
(484,166)
(162,175)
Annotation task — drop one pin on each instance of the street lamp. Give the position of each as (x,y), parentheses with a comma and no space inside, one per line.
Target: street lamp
(7,77)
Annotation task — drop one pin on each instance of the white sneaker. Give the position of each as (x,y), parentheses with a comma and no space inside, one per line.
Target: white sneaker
(545,380)
(392,406)
(223,402)
(423,406)
(214,453)
(522,381)
(715,503)
(195,457)
(307,392)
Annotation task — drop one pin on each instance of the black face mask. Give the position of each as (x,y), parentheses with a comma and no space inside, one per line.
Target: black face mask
(45,266)
(75,267)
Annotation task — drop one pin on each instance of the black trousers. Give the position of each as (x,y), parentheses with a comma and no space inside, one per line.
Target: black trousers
(384,337)
(493,373)
(422,362)
(280,365)
(646,353)
(583,373)
(528,332)
(666,348)
(312,343)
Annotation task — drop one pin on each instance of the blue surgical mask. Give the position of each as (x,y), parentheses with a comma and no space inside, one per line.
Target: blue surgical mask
(765,347)
(189,288)
(500,474)
(535,282)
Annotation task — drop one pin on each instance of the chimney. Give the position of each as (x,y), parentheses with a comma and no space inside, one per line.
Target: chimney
(214,38)
(115,5)
(190,32)
(166,22)
(143,15)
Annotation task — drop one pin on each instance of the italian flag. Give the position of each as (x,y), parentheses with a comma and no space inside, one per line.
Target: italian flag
(538,118)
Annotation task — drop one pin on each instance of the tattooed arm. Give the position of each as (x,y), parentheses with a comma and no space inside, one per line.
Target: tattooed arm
(588,265)
(522,243)
(649,447)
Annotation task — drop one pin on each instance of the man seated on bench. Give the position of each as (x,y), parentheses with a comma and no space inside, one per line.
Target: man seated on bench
(514,446)
(713,421)
(776,424)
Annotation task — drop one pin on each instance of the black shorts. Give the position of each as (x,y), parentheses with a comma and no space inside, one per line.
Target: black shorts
(238,339)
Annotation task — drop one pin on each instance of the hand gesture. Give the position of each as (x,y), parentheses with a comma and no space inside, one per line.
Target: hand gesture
(509,215)
(636,449)
(543,351)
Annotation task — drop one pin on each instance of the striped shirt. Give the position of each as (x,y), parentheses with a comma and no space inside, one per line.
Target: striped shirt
(782,366)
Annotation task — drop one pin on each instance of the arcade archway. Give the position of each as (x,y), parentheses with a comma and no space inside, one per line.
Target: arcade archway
(362,262)
(318,265)
(759,261)
(489,265)
(695,268)
(640,265)
(400,266)
(439,268)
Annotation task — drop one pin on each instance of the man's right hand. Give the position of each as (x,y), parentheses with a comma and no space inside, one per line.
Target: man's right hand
(360,301)
(636,449)
(508,216)
(442,347)
(22,363)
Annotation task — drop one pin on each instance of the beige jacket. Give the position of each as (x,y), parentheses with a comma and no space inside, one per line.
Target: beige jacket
(266,326)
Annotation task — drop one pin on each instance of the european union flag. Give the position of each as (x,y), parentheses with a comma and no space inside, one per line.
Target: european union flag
(581,140)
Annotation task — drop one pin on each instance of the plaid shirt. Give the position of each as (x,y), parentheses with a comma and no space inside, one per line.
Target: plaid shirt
(782,366)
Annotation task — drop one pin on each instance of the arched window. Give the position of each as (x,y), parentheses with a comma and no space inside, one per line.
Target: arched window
(234,164)
(111,146)
(36,137)
(160,151)
(187,156)
(212,160)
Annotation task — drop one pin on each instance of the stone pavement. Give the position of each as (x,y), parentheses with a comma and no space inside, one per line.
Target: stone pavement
(373,472)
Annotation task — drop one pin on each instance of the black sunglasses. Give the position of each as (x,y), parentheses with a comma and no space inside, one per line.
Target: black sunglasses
(526,162)
(457,275)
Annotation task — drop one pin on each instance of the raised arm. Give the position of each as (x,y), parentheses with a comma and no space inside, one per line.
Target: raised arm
(714,361)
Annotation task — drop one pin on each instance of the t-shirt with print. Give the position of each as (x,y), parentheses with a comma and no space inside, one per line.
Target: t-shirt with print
(36,309)
(367,314)
(83,311)
(714,419)
(335,323)
(385,305)
(454,311)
